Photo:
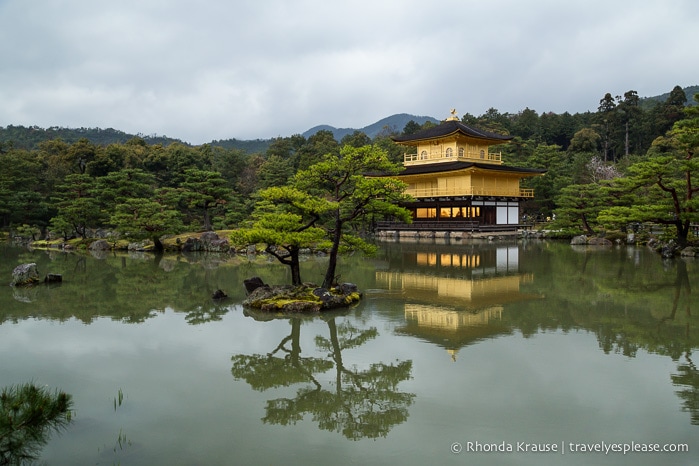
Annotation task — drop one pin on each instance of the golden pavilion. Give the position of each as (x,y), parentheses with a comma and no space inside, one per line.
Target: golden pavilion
(458,184)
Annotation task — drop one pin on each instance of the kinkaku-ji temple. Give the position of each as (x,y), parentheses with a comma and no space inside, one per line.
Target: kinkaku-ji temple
(457,183)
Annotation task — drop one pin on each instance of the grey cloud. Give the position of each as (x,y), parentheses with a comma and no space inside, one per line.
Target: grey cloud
(247,69)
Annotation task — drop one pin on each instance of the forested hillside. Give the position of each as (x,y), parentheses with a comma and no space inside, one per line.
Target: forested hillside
(649,102)
(71,186)
(22,137)
(392,124)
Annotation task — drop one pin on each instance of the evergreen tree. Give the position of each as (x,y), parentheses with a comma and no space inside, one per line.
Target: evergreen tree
(28,416)
(78,207)
(341,179)
(664,185)
(204,190)
(285,221)
(153,217)
(606,121)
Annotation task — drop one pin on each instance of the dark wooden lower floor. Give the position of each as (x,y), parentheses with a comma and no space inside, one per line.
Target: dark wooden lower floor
(448,225)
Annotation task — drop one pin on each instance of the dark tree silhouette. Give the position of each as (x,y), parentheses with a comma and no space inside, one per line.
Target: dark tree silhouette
(360,403)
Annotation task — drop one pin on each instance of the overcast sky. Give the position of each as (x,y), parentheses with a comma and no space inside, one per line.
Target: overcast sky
(218,69)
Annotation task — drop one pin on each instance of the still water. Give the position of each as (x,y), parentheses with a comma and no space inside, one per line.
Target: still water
(456,352)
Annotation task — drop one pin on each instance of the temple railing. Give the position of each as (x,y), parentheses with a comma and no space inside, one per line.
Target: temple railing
(474,156)
(469,191)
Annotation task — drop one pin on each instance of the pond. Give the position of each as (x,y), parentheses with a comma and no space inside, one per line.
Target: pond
(473,352)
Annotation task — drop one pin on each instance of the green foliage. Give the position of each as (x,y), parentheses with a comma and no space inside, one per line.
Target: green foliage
(78,207)
(585,140)
(356,139)
(579,206)
(663,184)
(275,171)
(28,416)
(341,179)
(411,127)
(285,221)
(558,175)
(27,231)
(22,193)
(139,218)
(321,143)
(115,187)
(204,190)
(36,165)
(32,137)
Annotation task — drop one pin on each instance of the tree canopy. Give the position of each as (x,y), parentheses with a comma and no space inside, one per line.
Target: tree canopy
(285,220)
(324,202)
(664,183)
(70,183)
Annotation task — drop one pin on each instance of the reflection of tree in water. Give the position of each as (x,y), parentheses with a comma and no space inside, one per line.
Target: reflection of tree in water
(262,372)
(688,378)
(360,403)
(665,337)
(667,333)
(665,328)
(206,313)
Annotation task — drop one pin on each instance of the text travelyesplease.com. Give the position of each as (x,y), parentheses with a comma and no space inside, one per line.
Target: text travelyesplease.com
(568,447)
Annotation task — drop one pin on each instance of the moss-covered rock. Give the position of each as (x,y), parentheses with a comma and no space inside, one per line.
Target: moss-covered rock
(306,298)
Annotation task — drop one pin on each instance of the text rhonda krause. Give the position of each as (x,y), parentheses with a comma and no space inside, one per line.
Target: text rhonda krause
(573,447)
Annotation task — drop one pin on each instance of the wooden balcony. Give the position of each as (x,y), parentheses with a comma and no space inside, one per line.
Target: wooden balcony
(469,192)
(417,159)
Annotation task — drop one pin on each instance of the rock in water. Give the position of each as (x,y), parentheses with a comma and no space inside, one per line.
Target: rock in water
(25,275)
(53,278)
(578,240)
(251,284)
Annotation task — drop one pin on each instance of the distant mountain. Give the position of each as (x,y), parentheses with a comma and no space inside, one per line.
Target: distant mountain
(29,138)
(251,146)
(394,123)
(22,137)
(689,91)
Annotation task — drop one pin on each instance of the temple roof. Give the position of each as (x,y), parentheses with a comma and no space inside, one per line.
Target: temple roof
(449,128)
(461,165)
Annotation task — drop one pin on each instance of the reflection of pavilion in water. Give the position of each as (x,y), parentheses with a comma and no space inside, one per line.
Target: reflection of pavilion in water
(454,295)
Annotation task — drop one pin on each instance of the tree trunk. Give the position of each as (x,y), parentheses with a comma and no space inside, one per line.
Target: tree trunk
(586,225)
(332,260)
(157,244)
(682,232)
(291,259)
(295,267)
(207,219)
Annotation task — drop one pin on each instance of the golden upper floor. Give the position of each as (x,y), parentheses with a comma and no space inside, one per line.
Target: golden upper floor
(449,141)
(449,151)
(453,159)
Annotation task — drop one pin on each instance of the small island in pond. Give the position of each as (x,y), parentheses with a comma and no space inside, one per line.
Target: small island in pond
(306,297)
